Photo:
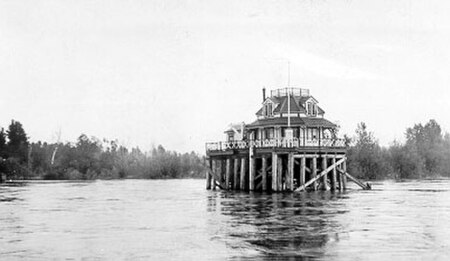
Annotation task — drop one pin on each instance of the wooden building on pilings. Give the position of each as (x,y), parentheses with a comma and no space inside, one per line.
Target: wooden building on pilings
(290,147)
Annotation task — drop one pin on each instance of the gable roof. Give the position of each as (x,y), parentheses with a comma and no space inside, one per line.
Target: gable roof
(304,99)
(321,111)
(260,112)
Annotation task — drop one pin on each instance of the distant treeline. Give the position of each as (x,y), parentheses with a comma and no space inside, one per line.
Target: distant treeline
(90,158)
(424,154)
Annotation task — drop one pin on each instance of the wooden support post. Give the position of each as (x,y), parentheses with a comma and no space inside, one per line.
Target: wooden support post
(280,174)
(359,183)
(302,171)
(208,175)
(324,178)
(290,173)
(236,174)
(252,168)
(264,173)
(214,169)
(314,172)
(243,172)
(220,170)
(228,174)
(322,173)
(274,171)
(333,175)
(344,177)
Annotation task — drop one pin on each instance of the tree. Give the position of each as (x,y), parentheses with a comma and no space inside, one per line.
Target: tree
(17,146)
(426,142)
(366,156)
(2,143)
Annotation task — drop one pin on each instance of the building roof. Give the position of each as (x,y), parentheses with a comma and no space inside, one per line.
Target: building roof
(295,122)
(303,99)
(260,112)
(318,122)
(321,111)
(276,121)
(283,107)
(296,105)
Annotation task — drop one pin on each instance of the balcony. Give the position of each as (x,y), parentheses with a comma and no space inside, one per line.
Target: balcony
(291,91)
(275,143)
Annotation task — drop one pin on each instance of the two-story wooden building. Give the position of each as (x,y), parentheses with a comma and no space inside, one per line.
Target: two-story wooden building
(290,146)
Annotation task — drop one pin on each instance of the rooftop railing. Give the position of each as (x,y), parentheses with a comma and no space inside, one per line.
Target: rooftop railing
(292,91)
(274,143)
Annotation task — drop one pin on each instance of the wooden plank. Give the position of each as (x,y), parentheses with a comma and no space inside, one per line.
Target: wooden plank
(314,172)
(216,180)
(213,170)
(280,174)
(219,171)
(228,174)
(324,178)
(290,173)
(274,171)
(243,172)
(264,174)
(208,175)
(259,185)
(252,168)
(258,176)
(301,188)
(302,171)
(236,174)
(355,180)
(333,175)
(344,177)
(306,156)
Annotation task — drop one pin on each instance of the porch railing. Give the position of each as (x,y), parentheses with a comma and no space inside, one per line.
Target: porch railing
(274,143)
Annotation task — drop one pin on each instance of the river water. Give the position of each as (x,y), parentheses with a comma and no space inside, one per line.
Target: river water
(180,220)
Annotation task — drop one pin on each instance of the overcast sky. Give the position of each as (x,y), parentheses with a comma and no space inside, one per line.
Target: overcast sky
(178,72)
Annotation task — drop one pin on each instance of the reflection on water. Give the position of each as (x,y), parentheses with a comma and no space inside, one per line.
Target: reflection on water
(278,224)
(178,219)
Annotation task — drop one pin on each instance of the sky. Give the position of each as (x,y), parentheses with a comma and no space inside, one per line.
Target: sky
(177,73)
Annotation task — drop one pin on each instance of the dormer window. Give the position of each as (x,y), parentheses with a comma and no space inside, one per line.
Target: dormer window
(268,109)
(311,109)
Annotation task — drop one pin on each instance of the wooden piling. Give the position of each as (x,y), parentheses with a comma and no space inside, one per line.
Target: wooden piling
(236,174)
(208,175)
(214,169)
(290,172)
(314,171)
(302,171)
(274,171)
(324,178)
(280,174)
(228,174)
(344,177)
(243,172)
(252,168)
(333,174)
(264,173)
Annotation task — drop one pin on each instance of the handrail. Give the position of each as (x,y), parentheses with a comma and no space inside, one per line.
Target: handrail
(274,143)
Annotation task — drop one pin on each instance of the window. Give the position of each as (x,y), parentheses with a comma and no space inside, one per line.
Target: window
(311,109)
(269,133)
(268,109)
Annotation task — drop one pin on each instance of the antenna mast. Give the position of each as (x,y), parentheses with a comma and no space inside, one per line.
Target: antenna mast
(289,94)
